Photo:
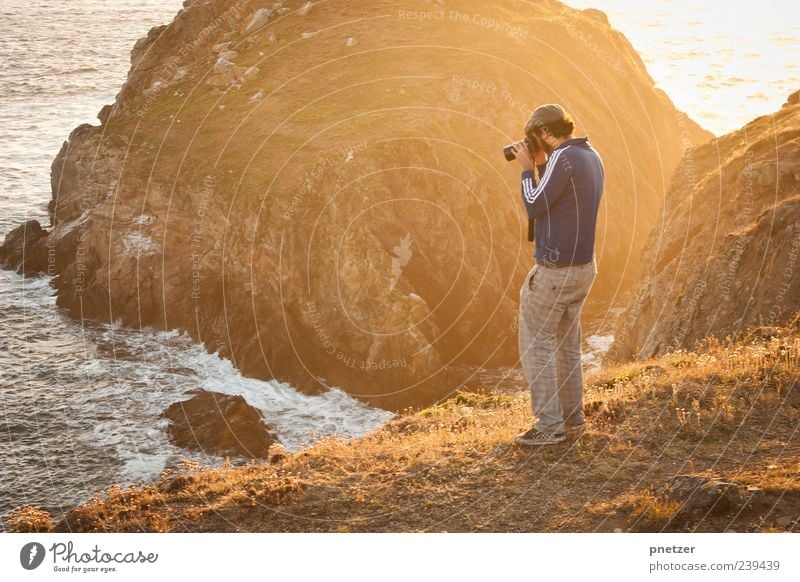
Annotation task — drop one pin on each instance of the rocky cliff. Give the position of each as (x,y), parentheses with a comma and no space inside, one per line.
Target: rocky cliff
(316,191)
(724,253)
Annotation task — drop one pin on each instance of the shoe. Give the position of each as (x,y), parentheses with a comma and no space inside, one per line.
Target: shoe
(535,437)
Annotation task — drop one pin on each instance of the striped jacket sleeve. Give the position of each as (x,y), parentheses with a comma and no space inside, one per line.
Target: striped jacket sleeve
(538,198)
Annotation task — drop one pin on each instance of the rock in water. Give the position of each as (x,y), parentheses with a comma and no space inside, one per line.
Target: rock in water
(726,253)
(219,423)
(276,224)
(24,249)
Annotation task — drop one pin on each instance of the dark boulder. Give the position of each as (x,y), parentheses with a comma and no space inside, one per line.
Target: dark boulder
(699,494)
(25,249)
(219,423)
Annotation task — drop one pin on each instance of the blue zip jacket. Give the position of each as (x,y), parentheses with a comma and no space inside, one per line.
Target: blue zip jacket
(564,203)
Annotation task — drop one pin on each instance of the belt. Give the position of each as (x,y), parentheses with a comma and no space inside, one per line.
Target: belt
(557,264)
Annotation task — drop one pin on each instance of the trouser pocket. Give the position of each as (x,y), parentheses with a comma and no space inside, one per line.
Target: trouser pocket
(527,284)
(531,276)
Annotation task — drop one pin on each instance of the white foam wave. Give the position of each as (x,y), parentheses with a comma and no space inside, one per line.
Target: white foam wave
(154,369)
(597,346)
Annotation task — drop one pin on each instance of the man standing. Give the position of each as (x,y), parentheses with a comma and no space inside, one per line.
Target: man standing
(563,205)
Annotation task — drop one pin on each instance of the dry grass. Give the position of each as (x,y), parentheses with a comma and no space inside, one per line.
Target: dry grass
(30,519)
(728,409)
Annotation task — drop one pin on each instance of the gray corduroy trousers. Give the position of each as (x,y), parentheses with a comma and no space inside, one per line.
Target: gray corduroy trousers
(551,300)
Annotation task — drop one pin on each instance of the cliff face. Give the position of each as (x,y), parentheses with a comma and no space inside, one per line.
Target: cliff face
(724,253)
(318,193)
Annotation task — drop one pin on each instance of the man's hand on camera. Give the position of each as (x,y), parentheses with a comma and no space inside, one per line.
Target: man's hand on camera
(523,155)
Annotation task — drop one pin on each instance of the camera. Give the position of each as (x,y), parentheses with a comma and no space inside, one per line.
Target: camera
(508,151)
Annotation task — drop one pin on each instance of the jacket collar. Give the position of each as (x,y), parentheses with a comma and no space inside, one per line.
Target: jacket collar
(573,141)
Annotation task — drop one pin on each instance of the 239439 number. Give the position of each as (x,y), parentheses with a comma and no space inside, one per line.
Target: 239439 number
(767,565)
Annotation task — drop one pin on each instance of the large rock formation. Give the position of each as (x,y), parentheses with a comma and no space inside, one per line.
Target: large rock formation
(318,192)
(725,254)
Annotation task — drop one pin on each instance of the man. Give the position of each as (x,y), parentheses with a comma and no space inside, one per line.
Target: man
(563,205)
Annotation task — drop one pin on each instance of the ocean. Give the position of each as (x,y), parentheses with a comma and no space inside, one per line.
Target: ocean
(723,63)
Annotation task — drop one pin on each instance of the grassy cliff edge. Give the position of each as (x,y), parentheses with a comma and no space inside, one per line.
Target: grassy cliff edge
(721,420)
